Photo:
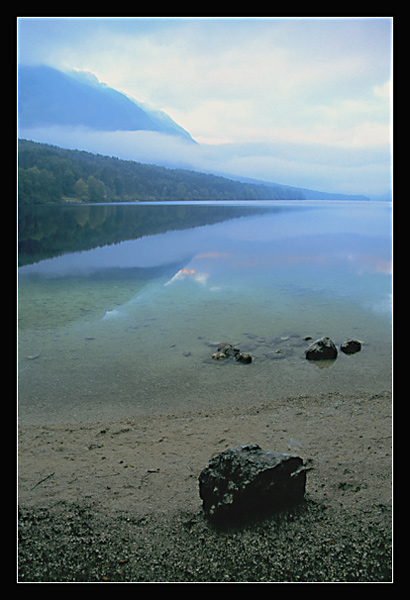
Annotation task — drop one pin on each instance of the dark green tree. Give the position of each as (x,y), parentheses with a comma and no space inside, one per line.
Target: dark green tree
(96,189)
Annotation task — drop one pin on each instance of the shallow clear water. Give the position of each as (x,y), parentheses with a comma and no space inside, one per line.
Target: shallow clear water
(125,305)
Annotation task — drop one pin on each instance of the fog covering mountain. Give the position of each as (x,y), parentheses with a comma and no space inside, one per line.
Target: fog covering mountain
(48,97)
(75,110)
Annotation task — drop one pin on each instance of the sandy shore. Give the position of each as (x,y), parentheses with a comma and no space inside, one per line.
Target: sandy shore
(119,501)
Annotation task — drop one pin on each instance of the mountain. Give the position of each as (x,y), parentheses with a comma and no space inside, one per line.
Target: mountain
(75,110)
(48,97)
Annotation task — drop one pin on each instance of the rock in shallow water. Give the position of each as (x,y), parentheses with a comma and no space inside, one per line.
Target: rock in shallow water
(351,346)
(243,357)
(323,349)
(248,482)
(226,351)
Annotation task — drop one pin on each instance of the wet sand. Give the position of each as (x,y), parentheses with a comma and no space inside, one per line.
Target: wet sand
(119,501)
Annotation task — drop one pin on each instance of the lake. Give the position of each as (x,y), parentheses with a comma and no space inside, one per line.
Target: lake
(120,307)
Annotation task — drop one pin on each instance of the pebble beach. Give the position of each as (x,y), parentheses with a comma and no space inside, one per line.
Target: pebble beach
(118,501)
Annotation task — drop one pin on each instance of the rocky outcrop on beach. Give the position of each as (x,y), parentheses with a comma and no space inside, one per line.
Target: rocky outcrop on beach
(250,482)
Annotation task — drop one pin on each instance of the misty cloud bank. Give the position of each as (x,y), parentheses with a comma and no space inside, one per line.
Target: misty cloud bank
(314,166)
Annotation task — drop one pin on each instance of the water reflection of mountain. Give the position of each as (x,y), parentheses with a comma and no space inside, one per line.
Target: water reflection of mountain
(50,231)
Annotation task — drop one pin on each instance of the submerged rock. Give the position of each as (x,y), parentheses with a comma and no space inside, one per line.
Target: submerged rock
(323,349)
(248,482)
(351,346)
(279,354)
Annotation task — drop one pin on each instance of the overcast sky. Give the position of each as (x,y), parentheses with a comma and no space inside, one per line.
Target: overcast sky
(300,101)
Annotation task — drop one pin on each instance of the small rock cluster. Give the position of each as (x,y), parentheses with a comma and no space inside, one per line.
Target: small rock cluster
(226,351)
(325,349)
(322,349)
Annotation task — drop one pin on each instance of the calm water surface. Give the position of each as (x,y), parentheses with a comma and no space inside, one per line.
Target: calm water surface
(121,306)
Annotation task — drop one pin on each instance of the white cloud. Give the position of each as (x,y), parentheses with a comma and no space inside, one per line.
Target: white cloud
(383,91)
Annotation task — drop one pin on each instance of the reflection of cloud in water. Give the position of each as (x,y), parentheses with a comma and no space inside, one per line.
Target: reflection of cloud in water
(190,274)
(111,314)
(383,305)
(211,258)
(372,264)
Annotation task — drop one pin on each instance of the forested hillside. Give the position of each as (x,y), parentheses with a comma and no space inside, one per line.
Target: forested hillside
(48,174)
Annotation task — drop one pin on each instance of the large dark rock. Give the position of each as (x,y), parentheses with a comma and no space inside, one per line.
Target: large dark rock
(248,482)
(322,349)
